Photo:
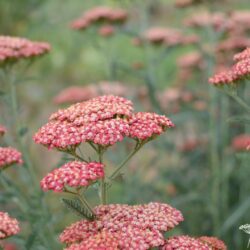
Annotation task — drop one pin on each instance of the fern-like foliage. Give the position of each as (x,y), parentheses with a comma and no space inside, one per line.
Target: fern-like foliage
(77,208)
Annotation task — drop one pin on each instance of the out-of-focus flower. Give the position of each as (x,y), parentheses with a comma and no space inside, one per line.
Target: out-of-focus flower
(184,243)
(9,156)
(136,227)
(241,142)
(183,3)
(245,54)
(239,22)
(2,130)
(190,60)
(100,14)
(106,31)
(14,48)
(189,145)
(144,125)
(216,20)
(237,43)
(8,246)
(72,174)
(8,226)
(213,242)
(102,120)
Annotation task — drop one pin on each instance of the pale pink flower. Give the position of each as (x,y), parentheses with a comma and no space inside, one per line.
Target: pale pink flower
(8,226)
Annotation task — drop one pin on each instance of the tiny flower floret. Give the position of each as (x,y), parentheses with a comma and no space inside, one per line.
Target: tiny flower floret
(9,156)
(72,174)
(184,243)
(8,226)
(144,125)
(213,242)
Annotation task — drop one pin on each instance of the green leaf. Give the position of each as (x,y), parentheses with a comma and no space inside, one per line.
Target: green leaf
(23,131)
(76,207)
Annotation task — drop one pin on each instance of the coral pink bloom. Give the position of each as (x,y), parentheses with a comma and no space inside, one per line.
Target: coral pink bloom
(241,142)
(213,242)
(184,243)
(9,156)
(2,130)
(245,54)
(143,125)
(72,174)
(15,48)
(190,60)
(225,77)
(106,31)
(136,227)
(8,226)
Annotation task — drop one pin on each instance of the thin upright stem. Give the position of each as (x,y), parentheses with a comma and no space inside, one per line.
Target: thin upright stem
(242,103)
(73,153)
(103,189)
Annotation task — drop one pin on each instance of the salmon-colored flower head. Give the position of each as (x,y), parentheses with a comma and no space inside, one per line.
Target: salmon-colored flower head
(143,125)
(213,242)
(245,54)
(133,227)
(9,156)
(14,48)
(100,14)
(2,130)
(72,174)
(8,226)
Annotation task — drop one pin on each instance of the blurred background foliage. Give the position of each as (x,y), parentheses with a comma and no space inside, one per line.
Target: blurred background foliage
(167,170)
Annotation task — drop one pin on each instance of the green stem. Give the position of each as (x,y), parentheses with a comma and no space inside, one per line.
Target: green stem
(73,153)
(240,101)
(103,189)
(83,199)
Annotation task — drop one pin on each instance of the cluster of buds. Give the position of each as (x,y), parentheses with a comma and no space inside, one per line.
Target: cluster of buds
(13,49)
(105,16)
(165,36)
(239,71)
(8,226)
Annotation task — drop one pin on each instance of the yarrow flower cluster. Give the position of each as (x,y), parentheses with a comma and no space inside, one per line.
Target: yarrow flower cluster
(8,226)
(241,142)
(239,71)
(213,242)
(103,120)
(135,227)
(9,156)
(15,48)
(72,174)
(100,15)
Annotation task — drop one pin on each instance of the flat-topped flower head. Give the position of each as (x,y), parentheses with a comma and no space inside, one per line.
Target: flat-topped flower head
(143,125)
(213,242)
(2,130)
(241,69)
(100,14)
(8,226)
(241,142)
(184,243)
(72,174)
(14,48)
(100,241)
(9,156)
(245,54)
(223,78)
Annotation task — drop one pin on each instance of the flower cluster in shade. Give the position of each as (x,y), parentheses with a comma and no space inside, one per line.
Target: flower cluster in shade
(107,17)
(103,120)
(165,36)
(185,242)
(132,227)
(2,130)
(14,48)
(72,174)
(239,71)
(8,226)
(241,142)
(9,156)
(75,94)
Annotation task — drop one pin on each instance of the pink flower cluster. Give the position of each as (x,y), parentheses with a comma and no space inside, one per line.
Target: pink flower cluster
(213,242)
(2,130)
(241,142)
(72,174)
(104,120)
(14,48)
(8,226)
(9,156)
(133,227)
(100,14)
(239,71)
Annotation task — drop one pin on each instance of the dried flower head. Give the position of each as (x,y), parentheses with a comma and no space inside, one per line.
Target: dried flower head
(135,227)
(100,14)
(184,243)
(8,226)
(14,48)
(72,174)
(241,142)
(213,242)
(2,130)
(245,54)
(143,125)
(9,156)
